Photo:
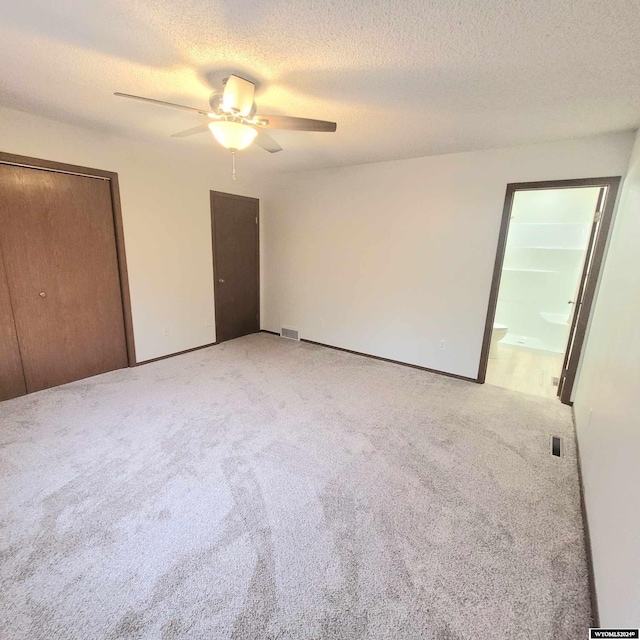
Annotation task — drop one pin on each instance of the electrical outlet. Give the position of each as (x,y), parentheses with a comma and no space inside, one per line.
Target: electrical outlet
(322,322)
(443,345)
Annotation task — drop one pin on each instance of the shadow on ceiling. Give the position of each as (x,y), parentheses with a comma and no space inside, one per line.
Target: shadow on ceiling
(104,28)
(435,88)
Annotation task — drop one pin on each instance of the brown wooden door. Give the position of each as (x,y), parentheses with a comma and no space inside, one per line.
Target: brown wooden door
(57,238)
(234,228)
(587,288)
(11,375)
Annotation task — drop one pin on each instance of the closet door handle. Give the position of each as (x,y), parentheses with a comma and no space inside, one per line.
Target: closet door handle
(43,294)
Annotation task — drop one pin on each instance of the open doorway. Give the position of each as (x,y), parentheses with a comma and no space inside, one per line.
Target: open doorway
(550,251)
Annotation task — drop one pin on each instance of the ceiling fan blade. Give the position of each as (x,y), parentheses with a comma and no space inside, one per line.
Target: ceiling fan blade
(162,103)
(296,124)
(190,132)
(264,140)
(238,95)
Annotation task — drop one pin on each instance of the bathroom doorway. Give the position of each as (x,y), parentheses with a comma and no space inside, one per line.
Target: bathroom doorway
(550,252)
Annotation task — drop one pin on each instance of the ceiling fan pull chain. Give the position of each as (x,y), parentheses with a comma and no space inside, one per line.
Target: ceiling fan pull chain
(233,164)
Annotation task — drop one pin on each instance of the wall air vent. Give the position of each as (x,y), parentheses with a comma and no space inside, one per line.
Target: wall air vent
(291,334)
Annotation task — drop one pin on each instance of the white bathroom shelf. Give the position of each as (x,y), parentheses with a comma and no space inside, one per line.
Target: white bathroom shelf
(549,248)
(530,270)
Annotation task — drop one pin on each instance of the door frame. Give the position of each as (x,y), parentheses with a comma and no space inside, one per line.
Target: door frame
(212,197)
(612,183)
(112,178)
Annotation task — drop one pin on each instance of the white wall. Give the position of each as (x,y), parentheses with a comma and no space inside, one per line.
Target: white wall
(390,258)
(607,408)
(166,217)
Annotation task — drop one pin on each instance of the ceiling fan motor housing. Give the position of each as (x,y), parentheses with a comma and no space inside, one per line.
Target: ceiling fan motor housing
(215,101)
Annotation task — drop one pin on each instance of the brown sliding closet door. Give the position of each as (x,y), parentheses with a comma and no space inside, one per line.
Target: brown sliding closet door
(11,376)
(58,247)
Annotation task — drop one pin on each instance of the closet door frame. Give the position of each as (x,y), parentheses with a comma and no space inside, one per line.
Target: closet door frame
(48,165)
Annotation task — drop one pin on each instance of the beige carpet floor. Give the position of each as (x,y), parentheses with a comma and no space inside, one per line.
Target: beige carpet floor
(273,489)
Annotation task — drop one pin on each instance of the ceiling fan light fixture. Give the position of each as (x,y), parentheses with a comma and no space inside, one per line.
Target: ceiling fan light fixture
(233,135)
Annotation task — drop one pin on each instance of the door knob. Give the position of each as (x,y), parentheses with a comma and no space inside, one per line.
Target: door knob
(220,279)
(43,294)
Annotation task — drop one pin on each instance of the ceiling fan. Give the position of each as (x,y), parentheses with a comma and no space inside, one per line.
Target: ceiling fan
(233,119)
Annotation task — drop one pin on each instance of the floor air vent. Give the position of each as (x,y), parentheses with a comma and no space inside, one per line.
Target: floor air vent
(291,334)
(556,446)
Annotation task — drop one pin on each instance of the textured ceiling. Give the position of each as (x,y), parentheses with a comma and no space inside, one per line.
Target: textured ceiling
(401,79)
